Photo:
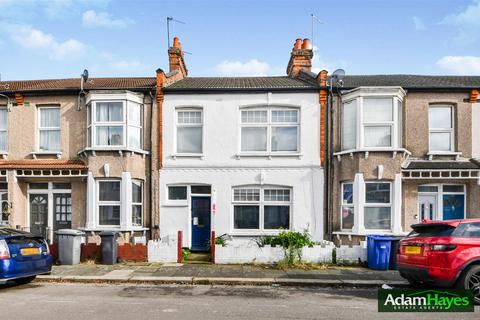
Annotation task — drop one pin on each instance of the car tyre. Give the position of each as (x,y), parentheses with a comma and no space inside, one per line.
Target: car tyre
(470,280)
(24,280)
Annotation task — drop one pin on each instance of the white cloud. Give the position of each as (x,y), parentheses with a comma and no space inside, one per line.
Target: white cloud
(464,65)
(319,63)
(93,19)
(53,9)
(30,38)
(252,67)
(419,24)
(467,23)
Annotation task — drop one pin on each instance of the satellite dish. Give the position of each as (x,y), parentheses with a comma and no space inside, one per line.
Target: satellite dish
(85,75)
(338,74)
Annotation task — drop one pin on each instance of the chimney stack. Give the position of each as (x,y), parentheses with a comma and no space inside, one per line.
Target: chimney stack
(301,58)
(175,58)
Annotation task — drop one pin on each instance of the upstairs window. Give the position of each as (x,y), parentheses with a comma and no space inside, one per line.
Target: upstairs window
(115,124)
(3,129)
(270,130)
(377,122)
(372,119)
(189,131)
(440,124)
(49,129)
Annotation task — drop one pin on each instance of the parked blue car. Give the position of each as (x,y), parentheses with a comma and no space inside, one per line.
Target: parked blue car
(23,256)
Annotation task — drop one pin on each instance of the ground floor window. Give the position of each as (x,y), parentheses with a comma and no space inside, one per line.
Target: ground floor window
(109,203)
(137,203)
(378,206)
(261,208)
(347,207)
(375,211)
(441,202)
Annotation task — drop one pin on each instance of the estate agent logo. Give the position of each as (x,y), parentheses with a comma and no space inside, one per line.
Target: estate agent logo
(439,300)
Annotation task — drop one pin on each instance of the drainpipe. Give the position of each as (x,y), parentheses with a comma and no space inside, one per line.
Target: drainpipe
(151,186)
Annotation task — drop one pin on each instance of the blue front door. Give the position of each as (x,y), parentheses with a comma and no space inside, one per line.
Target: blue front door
(200,223)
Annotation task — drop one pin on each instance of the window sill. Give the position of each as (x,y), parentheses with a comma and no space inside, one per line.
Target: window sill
(200,156)
(350,152)
(372,232)
(113,228)
(269,156)
(431,154)
(255,233)
(181,203)
(58,154)
(120,151)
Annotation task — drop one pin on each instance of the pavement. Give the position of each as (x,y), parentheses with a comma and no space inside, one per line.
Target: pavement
(153,273)
(47,301)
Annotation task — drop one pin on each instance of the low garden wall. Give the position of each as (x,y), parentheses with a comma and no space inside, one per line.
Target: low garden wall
(252,253)
(164,250)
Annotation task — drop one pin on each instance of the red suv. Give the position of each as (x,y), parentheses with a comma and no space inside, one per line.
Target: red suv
(442,253)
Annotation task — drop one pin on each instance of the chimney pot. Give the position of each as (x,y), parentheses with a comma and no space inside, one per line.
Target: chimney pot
(176,43)
(300,58)
(306,44)
(298,44)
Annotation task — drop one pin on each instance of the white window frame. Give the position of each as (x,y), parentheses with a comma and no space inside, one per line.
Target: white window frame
(4,109)
(381,124)
(347,205)
(270,125)
(138,182)
(189,125)
(379,205)
(99,203)
(40,128)
(93,124)
(397,95)
(439,194)
(261,204)
(451,130)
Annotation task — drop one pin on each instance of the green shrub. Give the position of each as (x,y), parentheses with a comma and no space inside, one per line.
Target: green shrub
(292,243)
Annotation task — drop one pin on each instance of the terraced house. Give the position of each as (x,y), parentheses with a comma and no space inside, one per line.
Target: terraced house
(76,153)
(404,148)
(242,156)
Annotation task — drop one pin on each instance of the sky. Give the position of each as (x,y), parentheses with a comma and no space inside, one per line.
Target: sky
(48,39)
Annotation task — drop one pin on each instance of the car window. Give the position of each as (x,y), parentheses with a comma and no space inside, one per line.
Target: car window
(468,230)
(431,230)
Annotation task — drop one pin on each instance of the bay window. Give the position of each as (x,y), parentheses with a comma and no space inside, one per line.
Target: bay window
(109,203)
(189,131)
(378,206)
(115,124)
(3,129)
(274,130)
(261,208)
(371,119)
(440,125)
(49,129)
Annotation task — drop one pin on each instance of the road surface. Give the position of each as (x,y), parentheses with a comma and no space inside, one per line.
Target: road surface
(44,301)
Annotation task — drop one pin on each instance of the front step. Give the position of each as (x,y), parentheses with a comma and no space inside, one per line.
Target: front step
(198,258)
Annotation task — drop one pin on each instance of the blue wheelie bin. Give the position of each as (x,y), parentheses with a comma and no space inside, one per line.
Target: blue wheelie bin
(378,251)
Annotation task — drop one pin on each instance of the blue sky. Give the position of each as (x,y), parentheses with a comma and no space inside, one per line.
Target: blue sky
(42,39)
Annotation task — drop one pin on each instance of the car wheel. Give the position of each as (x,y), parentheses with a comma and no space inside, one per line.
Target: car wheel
(470,280)
(24,280)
